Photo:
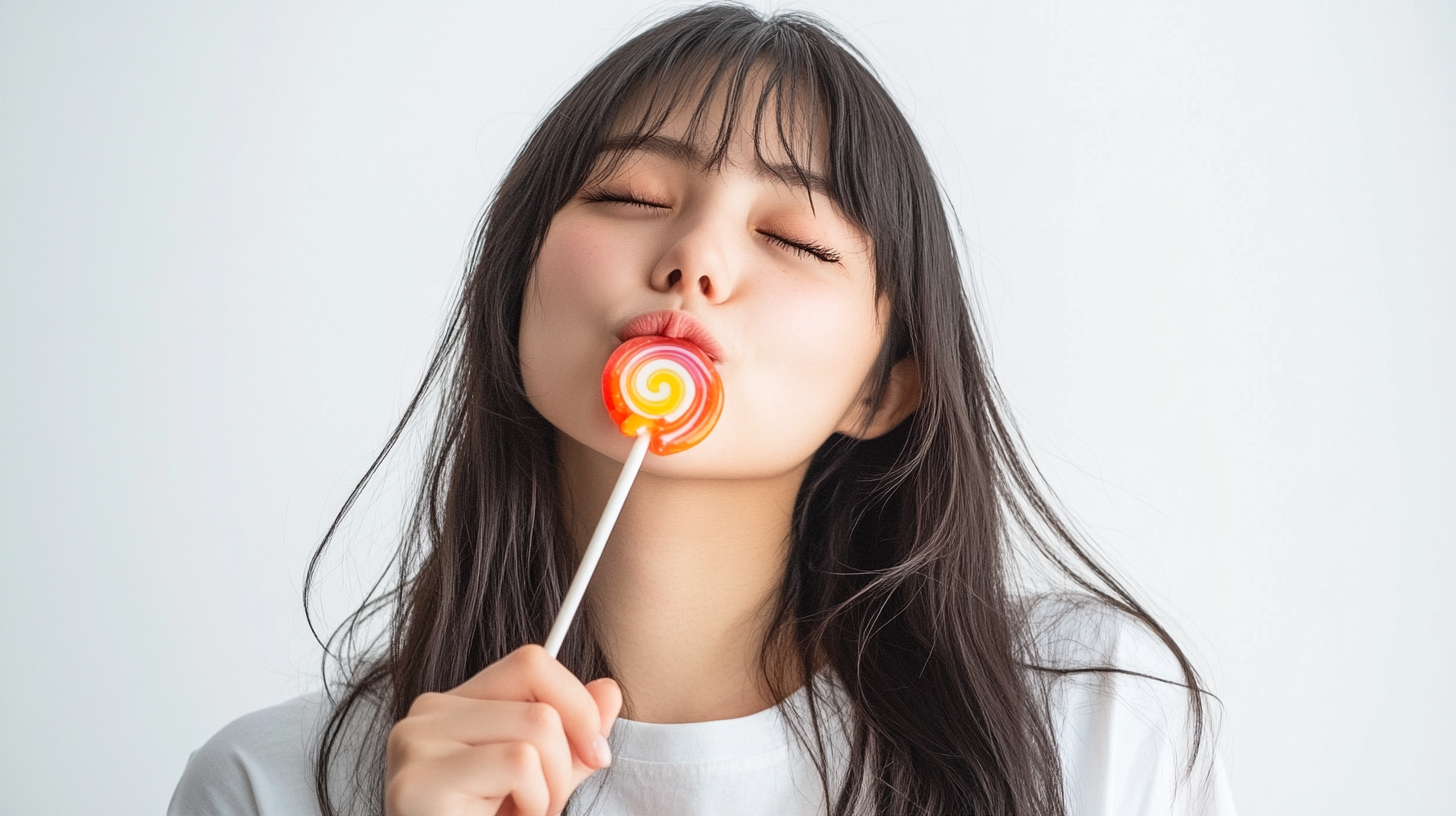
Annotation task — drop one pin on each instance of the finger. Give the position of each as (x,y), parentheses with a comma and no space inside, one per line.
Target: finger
(474,780)
(438,723)
(530,675)
(609,701)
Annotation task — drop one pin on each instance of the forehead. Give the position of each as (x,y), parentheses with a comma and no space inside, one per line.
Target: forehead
(760,121)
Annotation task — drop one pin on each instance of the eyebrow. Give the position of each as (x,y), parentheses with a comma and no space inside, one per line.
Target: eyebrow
(681,151)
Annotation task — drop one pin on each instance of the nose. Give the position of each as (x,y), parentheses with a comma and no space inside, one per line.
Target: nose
(697,265)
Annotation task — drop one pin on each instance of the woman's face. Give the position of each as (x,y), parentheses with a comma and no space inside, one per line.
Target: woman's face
(781,281)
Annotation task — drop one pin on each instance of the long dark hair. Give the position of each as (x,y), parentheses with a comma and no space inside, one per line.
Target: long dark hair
(903,573)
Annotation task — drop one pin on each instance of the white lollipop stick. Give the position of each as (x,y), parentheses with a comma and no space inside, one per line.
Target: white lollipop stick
(593,554)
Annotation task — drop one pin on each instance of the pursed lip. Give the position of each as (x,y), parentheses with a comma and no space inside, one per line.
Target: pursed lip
(673,323)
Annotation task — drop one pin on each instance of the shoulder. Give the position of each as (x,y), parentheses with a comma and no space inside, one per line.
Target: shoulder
(257,765)
(1130,739)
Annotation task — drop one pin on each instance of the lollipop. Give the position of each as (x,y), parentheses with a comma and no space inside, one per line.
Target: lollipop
(665,392)
(666,386)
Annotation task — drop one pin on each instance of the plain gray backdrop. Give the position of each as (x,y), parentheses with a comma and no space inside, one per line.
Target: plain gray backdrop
(1213,244)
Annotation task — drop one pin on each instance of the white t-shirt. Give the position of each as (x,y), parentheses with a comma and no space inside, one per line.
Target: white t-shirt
(1123,743)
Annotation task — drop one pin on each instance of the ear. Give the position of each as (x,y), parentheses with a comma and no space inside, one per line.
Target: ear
(901,398)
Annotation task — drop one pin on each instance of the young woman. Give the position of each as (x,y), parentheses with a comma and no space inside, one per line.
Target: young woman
(821,608)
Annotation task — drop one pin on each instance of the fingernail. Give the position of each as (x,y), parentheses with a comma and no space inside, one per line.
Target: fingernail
(604,752)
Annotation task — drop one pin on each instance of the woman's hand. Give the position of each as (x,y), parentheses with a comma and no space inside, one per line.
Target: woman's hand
(517,738)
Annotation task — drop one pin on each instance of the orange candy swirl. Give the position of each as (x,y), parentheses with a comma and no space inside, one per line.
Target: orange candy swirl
(666,385)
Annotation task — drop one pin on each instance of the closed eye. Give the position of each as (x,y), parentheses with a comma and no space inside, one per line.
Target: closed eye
(808,249)
(612,196)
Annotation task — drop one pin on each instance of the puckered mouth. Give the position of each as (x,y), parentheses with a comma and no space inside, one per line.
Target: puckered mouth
(673,323)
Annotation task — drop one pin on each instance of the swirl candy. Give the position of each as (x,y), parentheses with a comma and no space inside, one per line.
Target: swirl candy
(666,385)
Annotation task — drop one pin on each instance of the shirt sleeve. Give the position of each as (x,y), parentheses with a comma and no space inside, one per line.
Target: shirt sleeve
(258,765)
(1127,741)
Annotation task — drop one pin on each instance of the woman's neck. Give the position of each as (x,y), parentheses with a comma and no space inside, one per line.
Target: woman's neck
(682,598)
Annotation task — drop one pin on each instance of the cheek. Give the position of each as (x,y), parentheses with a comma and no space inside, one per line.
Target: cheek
(567,271)
(813,353)
(565,338)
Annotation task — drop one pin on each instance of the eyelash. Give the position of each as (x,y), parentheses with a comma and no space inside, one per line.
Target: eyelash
(596,196)
(807,249)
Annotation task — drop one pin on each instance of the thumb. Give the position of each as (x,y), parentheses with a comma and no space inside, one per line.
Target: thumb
(609,700)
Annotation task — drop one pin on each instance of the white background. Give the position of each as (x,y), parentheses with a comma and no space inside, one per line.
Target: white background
(1214,245)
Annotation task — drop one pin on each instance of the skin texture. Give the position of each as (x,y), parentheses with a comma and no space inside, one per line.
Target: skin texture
(785,284)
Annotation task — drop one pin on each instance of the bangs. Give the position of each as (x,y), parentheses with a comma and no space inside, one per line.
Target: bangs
(766,81)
